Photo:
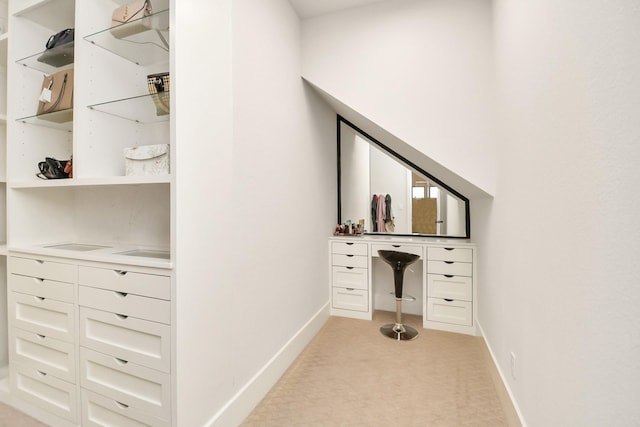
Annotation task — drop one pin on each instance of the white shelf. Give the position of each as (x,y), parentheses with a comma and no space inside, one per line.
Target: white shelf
(53,14)
(93,182)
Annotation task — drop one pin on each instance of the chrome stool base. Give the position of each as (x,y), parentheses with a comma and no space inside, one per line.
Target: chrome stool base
(399,332)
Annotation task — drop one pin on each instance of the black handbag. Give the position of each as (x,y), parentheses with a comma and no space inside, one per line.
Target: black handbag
(59,48)
(52,169)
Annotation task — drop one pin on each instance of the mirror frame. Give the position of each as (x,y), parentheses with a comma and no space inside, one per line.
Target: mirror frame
(406,162)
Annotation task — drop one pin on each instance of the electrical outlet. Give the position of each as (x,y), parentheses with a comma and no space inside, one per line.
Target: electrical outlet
(512,360)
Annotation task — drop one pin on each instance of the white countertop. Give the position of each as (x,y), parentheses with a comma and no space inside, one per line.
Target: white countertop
(129,255)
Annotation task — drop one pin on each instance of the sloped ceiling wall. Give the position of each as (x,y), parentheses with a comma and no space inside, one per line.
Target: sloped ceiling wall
(417,73)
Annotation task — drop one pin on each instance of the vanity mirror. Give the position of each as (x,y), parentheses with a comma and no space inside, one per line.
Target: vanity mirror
(392,194)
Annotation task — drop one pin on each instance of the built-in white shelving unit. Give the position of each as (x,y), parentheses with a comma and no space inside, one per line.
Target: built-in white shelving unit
(98,220)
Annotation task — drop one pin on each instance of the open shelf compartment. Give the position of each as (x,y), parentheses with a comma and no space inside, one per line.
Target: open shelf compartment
(142,48)
(139,109)
(61,120)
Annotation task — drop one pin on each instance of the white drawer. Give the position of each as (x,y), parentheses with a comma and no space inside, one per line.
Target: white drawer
(349,260)
(42,315)
(139,341)
(45,354)
(156,310)
(349,248)
(135,386)
(349,277)
(350,299)
(456,312)
(416,250)
(43,269)
(45,391)
(61,291)
(450,268)
(99,411)
(456,287)
(450,254)
(130,282)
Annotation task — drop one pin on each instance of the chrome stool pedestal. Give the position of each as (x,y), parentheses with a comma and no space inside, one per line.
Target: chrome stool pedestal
(398,262)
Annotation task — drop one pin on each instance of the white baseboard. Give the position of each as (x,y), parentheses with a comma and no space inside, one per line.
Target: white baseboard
(241,405)
(502,377)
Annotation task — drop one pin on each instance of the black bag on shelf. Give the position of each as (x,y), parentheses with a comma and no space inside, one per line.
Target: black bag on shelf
(52,169)
(59,50)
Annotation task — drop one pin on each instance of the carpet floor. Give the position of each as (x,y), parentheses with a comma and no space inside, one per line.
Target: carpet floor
(351,375)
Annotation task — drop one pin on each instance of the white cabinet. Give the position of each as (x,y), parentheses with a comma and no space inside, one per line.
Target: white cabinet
(42,334)
(450,288)
(125,344)
(349,278)
(68,236)
(91,341)
(448,279)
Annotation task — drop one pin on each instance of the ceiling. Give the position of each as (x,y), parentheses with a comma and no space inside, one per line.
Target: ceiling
(311,8)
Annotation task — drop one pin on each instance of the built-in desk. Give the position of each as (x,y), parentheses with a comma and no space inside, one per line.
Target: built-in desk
(443,282)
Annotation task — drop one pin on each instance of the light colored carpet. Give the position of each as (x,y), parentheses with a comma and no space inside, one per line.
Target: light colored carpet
(351,375)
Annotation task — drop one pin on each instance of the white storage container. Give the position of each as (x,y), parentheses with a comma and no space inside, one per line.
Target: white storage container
(147,160)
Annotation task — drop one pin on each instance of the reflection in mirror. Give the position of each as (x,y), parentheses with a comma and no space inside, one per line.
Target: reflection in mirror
(393,195)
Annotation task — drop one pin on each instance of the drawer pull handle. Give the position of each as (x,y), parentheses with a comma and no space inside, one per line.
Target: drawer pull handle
(349,268)
(40,298)
(449,275)
(121,294)
(41,336)
(448,299)
(448,262)
(349,243)
(121,405)
(121,272)
(39,280)
(351,289)
(350,255)
(397,246)
(121,316)
(121,361)
(39,261)
(42,374)
(448,249)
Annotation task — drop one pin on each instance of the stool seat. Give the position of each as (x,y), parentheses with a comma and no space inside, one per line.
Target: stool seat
(398,261)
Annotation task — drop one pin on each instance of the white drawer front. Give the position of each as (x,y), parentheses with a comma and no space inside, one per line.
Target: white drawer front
(350,277)
(153,309)
(349,248)
(139,341)
(135,386)
(43,316)
(456,287)
(126,281)
(46,354)
(99,411)
(416,250)
(349,260)
(456,312)
(450,254)
(61,291)
(450,268)
(46,391)
(43,269)
(350,299)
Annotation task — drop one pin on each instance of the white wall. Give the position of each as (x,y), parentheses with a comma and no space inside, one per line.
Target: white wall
(559,242)
(373,56)
(255,175)
(559,246)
